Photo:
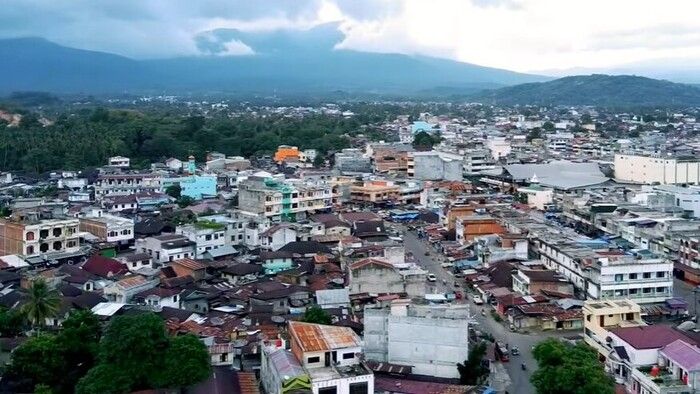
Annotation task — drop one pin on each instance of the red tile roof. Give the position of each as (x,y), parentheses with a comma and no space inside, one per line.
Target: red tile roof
(649,337)
(104,266)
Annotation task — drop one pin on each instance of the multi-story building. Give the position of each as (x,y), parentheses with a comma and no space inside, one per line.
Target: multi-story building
(29,234)
(658,169)
(560,142)
(688,266)
(434,165)
(499,147)
(207,235)
(125,184)
(167,247)
(119,162)
(352,161)
(374,192)
(397,334)
(323,360)
(286,153)
(475,161)
(194,186)
(279,200)
(603,273)
(109,228)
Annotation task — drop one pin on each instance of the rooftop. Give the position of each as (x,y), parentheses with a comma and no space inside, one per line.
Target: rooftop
(649,337)
(316,337)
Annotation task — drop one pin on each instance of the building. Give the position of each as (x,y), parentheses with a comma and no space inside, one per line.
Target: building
(122,291)
(688,266)
(109,228)
(286,153)
(532,281)
(431,339)
(475,161)
(372,275)
(278,200)
(499,147)
(352,161)
(125,184)
(119,162)
(560,143)
(435,166)
(599,317)
(207,235)
(374,192)
(167,247)
(657,169)
(330,356)
(194,186)
(686,198)
(29,234)
(602,272)
(537,196)
(470,227)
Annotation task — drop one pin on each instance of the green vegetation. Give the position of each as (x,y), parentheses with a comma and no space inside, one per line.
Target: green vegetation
(43,303)
(317,315)
(136,353)
(425,141)
(567,369)
(174,191)
(209,224)
(601,90)
(57,361)
(11,322)
(472,371)
(88,138)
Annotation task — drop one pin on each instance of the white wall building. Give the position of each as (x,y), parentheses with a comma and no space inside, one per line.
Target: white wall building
(657,169)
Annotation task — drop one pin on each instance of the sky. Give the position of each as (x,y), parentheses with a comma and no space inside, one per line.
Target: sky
(522,35)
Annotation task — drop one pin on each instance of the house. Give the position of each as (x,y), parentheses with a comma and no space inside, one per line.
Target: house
(207,235)
(277,236)
(328,357)
(306,248)
(109,228)
(333,298)
(282,299)
(137,261)
(378,276)
(167,247)
(529,281)
(125,289)
(104,267)
(274,262)
(189,267)
(241,272)
(159,297)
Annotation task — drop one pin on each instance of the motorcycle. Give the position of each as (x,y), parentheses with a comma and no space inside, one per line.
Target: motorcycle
(523,366)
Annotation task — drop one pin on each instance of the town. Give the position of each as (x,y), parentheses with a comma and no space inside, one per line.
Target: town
(451,252)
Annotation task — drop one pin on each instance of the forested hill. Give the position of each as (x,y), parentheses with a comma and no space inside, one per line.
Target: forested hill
(599,90)
(87,139)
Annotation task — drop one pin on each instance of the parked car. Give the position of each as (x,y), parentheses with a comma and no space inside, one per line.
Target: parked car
(477,300)
(447,265)
(432,278)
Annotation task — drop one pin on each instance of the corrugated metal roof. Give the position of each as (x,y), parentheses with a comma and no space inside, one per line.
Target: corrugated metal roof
(316,337)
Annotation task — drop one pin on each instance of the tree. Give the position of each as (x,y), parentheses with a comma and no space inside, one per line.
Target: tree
(424,141)
(534,134)
(173,191)
(185,201)
(567,369)
(186,363)
(319,161)
(43,303)
(317,315)
(471,371)
(11,322)
(79,343)
(36,361)
(136,353)
(548,126)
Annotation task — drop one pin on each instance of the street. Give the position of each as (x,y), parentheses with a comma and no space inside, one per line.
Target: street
(520,380)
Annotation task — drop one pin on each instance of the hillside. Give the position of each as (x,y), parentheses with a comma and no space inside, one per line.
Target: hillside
(284,62)
(597,89)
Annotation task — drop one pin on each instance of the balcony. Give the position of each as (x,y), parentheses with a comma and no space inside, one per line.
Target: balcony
(663,383)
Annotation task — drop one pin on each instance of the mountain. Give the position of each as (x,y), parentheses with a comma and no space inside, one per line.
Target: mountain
(282,61)
(596,89)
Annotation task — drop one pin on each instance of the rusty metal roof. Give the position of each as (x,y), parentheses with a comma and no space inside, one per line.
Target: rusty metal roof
(316,337)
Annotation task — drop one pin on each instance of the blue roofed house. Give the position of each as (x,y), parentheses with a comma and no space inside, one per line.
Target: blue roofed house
(195,186)
(419,126)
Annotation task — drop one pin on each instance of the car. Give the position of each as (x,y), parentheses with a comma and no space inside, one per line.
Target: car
(477,300)
(447,265)
(514,351)
(432,278)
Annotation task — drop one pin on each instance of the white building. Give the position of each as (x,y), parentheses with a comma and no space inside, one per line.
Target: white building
(560,142)
(537,196)
(499,146)
(108,228)
(119,161)
(476,161)
(657,169)
(205,234)
(432,339)
(167,247)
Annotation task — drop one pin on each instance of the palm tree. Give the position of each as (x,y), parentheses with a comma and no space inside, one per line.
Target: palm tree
(43,302)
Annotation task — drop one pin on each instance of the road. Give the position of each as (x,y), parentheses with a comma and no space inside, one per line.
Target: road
(520,380)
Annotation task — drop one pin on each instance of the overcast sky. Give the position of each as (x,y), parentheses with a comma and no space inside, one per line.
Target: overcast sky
(521,35)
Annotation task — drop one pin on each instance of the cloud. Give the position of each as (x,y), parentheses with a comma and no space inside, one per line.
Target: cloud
(521,35)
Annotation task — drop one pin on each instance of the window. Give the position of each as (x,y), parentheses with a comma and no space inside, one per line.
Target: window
(57,232)
(618,277)
(634,291)
(312,360)
(30,236)
(223,357)
(660,289)
(646,275)
(660,274)
(646,290)
(207,237)
(328,390)
(359,388)
(30,249)
(57,245)
(633,276)
(348,356)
